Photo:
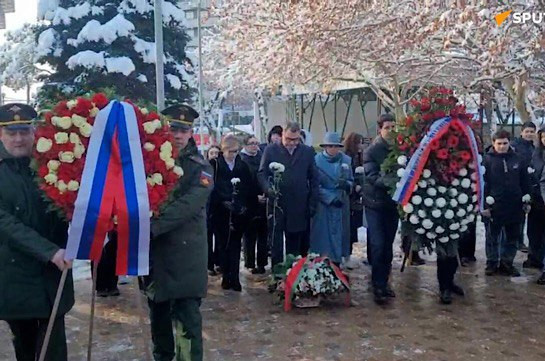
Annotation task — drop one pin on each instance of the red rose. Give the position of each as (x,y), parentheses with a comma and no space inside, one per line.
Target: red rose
(425,106)
(453,141)
(399,138)
(83,107)
(414,103)
(465,155)
(43,171)
(100,100)
(428,117)
(403,147)
(454,166)
(434,145)
(440,114)
(442,153)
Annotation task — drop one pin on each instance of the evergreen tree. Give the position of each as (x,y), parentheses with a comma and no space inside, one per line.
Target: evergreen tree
(95,45)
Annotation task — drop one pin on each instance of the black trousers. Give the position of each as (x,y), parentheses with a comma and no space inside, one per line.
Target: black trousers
(356,221)
(536,235)
(256,234)
(446,268)
(28,336)
(229,241)
(305,242)
(106,277)
(466,246)
(212,248)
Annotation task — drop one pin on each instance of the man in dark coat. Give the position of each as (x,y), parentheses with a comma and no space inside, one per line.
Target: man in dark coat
(506,183)
(178,277)
(31,247)
(380,210)
(298,193)
(256,233)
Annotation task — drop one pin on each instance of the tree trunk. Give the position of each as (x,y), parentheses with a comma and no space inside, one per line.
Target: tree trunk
(516,88)
(28,93)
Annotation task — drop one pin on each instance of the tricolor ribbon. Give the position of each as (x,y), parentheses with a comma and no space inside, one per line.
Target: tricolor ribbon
(296,273)
(418,160)
(113,183)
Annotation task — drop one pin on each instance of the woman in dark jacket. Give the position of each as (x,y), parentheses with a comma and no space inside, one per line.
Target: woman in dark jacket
(213,261)
(256,233)
(536,226)
(229,203)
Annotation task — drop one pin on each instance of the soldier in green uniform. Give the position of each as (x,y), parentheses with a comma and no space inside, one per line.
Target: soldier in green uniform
(178,278)
(32,245)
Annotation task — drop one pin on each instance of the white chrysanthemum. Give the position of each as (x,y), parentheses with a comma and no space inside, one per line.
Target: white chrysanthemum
(428,202)
(51,178)
(436,213)
(470,208)
(454,226)
(526,198)
(61,138)
(150,127)
(471,218)
(441,202)
(157,178)
(414,219)
(400,172)
(235,181)
(77,120)
(420,231)
(408,208)
(73,185)
(490,200)
(416,200)
(453,192)
(427,224)
(455,236)
(474,198)
(72,103)
(463,198)
(453,203)
(531,170)
(359,170)
(432,192)
(464,222)
(462,172)
(277,167)
(441,189)
(62,122)
(422,213)
(449,214)
(61,186)
(402,160)
(455,182)
(149,146)
(439,230)
(43,145)
(463,228)
(422,184)
(67,157)
(431,182)
(86,130)
(426,173)
(431,235)
(461,213)
(444,239)
(178,171)
(466,183)
(53,165)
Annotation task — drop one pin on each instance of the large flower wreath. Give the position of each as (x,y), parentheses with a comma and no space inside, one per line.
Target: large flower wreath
(435,170)
(62,142)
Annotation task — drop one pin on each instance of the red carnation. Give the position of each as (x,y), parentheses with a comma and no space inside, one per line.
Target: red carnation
(440,114)
(100,100)
(399,138)
(415,103)
(428,117)
(465,155)
(434,145)
(403,147)
(454,166)
(442,153)
(453,141)
(409,121)
(83,107)
(425,106)
(413,138)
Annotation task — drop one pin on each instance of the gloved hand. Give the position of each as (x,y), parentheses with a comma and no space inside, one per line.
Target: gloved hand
(344,185)
(337,203)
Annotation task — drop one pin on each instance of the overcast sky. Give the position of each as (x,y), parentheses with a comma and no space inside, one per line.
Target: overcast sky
(25,12)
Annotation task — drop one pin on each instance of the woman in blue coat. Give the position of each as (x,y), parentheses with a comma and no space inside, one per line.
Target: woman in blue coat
(330,231)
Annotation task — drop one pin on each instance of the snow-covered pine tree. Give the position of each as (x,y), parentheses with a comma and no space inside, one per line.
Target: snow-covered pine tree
(94,45)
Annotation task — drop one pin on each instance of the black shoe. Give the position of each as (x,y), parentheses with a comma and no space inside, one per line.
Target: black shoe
(380,296)
(103,293)
(416,260)
(532,264)
(114,293)
(541,280)
(236,286)
(491,270)
(508,270)
(389,292)
(446,297)
(225,284)
(457,290)
(258,271)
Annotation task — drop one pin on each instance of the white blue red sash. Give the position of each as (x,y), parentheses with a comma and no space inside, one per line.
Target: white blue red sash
(113,183)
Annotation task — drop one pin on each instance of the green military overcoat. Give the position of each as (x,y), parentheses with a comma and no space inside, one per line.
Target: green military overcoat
(29,237)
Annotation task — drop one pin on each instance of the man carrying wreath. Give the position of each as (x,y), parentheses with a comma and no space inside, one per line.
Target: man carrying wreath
(31,246)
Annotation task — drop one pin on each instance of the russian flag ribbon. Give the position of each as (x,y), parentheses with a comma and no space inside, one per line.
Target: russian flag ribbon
(418,160)
(113,183)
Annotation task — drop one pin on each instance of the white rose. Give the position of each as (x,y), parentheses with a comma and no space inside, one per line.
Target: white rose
(453,203)
(149,127)
(170,163)
(470,208)
(420,231)
(463,198)
(150,181)
(74,138)
(474,198)
(408,208)
(400,172)
(453,192)
(149,146)
(53,165)
(426,173)
(402,160)
(431,181)
(439,230)
(416,200)
(454,226)
(463,228)
(414,219)
(94,112)
(158,124)
(86,130)
(144,111)
(62,122)
(464,222)
(166,147)
(61,186)
(442,189)
(462,172)
(44,145)
(461,213)
(51,178)
(73,185)
(444,239)
(422,213)
(61,138)
(78,120)
(178,171)
(428,202)
(66,157)
(165,155)
(431,235)
(72,103)
(79,149)
(471,218)
(455,182)
(466,183)
(432,192)
(441,202)
(449,214)
(427,224)
(422,184)
(455,236)
(436,213)
(157,178)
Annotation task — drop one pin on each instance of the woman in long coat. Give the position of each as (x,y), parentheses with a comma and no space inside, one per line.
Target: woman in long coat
(330,231)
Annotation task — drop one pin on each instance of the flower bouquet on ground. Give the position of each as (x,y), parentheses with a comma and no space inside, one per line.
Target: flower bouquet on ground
(305,281)
(435,171)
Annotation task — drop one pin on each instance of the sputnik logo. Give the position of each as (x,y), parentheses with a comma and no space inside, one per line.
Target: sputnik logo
(500,18)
